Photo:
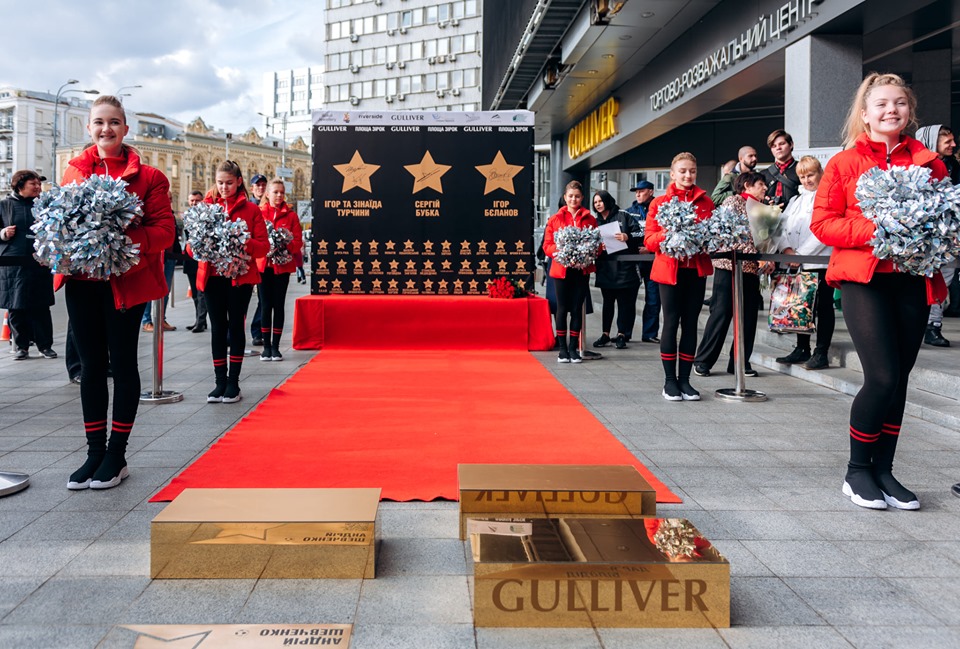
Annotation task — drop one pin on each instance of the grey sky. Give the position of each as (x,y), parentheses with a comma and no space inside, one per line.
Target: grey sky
(192,57)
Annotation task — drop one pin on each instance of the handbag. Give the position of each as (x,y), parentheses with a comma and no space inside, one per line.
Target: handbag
(792,302)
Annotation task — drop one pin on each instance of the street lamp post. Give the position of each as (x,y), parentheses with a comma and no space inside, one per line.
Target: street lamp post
(283,141)
(122,88)
(56,104)
(56,113)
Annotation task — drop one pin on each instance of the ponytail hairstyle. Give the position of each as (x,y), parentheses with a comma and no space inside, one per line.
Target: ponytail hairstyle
(232,168)
(276,181)
(853,127)
(110,100)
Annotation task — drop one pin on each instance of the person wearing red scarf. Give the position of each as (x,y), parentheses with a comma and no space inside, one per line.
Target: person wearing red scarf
(105,315)
(781,177)
(228,299)
(275,278)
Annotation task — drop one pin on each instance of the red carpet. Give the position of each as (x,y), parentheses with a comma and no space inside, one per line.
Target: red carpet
(402,421)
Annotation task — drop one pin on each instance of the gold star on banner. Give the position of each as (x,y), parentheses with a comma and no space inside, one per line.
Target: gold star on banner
(446,246)
(446,265)
(393,284)
(427,174)
(522,284)
(323,245)
(411,264)
(499,174)
(394,265)
(458,285)
(428,285)
(428,246)
(483,247)
(377,284)
(521,266)
(464,265)
(356,285)
(322,264)
(375,265)
(428,265)
(474,284)
(336,284)
(358,266)
(356,173)
(341,245)
(341,265)
(411,284)
(519,246)
(374,244)
(322,284)
(356,247)
(501,248)
(465,245)
(503,266)
(408,245)
(391,245)
(484,264)
(443,284)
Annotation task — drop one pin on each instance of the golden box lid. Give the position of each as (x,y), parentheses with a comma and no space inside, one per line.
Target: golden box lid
(272,505)
(551,477)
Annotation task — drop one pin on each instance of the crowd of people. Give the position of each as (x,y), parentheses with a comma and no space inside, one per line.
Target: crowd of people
(821,218)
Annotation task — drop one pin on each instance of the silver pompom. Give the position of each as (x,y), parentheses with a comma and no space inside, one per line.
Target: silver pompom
(279,238)
(917,221)
(726,229)
(217,240)
(577,247)
(80,228)
(685,236)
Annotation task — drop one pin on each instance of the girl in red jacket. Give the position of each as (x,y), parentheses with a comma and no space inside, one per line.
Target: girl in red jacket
(105,315)
(885,310)
(228,299)
(571,284)
(683,282)
(274,278)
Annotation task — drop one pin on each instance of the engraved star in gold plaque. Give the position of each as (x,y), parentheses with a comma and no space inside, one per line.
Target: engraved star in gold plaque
(443,284)
(428,265)
(341,245)
(356,285)
(446,246)
(499,174)
(391,245)
(428,246)
(503,266)
(408,245)
(394,265)
(501,248)
(356,246)
(374,244)
(484,264)
(446,264)
(464,265)
(322,285)
(356,173)
(522,284)
(411,264)
(519,246)
(358,266)
(483,247)
(322,245)
(427,174)
(474,284)
(375,265)
(336,284)
(393,284)
(458,285)
(465,245)
(342,264)
(411,284)
(322,264)
(521,266)
(377,284)
(428,285)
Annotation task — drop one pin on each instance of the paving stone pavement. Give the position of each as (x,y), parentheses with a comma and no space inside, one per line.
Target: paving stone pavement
(761,480)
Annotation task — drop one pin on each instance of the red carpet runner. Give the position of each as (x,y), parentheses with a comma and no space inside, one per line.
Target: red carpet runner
(402,421)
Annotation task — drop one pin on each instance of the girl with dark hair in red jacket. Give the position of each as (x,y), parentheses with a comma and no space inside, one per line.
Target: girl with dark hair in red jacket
(683,282)
(885,310)
(275,278)
(105,315)
(228,298)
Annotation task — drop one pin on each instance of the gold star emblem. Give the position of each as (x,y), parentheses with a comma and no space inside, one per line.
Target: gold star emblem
(484,264)
(522,284)
(443,284)
(464,265)
(521,266)
(341,265)
(322,264)
(411,264)
(374,244)
(473,284)
(394,265)
(446,246)
(501,248)
(356,247)
(336,284)
(428,285)
(428,246)
(391,245)
(465,246)
(322,284)
(377,284)
(503,266)
(427,174)
(410,285)
(446,264)
(519,246)
(356,285)
(341,245)
(458,285)
(499,174)
(393,284)
(322,245)
(483,247)
(428,265)
(375,265)
(408,245)
(356,173)
(358,266)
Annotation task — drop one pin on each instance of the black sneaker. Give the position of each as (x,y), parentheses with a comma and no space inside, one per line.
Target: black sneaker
(818,361)
(620,342)
(602,341)
(232,393)
(934,336)
(860,487)
(701,370)
(575,356)
(564,355)
(749,371)
(798,355)
(216,396)
(652,339)
(275,354)
(21,355)
(671,390)
(266,354)
(895,494)
(687,392)
(48,353)
(257,341)
(955,490)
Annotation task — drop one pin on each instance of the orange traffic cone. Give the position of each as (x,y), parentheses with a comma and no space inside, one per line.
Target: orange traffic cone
(5,332)
(189,292)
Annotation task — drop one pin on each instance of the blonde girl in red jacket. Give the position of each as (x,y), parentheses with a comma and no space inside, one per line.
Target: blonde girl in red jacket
(274,279)
(885,310)
(228,299)
(105,314)
(683,282)
(571,284)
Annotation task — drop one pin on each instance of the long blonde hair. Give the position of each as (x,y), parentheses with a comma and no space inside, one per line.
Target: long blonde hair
(853,127)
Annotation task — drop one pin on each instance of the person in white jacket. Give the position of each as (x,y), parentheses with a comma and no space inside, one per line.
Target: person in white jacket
(797,239)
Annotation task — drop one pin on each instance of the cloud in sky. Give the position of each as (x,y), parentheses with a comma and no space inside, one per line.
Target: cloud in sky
(192,57)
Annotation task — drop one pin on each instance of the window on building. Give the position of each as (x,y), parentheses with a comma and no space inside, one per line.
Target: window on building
(443,46)
(406,18)
(334,31)
(469,42)
(457,79)
(430,82)
(430,48)
(381,23)
(367,89)
(416,83)
(380,55)
(393,20)
(431,15)
(392,54)
(368,56)
(469,77)
(368,25)
(458,9)
(470,7)
(416,50)
(456,44)
(443,80)
(379,87)
(443,12)
(391,86)
(404,52)
(404,85)
(417,17)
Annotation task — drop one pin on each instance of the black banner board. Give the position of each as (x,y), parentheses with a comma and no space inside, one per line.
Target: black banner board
(420,203)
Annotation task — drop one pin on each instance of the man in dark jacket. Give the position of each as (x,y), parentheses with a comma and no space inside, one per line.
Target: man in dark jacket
(746,161)
(651,290)
(782,181)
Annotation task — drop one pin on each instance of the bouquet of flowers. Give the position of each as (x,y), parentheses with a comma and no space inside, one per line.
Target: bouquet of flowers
(685,236)
(505,288)
(217,240)
(80,228)
(725,229)
(279,238)
(577,247)
(765,223)
(918,226)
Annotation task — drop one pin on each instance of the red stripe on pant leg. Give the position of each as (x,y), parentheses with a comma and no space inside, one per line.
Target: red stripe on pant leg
(890,429)
(219,362)
(94,425)
(686,357)
(668,357)
(867,438)
(122,427)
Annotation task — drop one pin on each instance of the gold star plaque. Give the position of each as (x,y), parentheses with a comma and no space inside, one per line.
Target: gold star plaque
(499,174)
(322,284)
(428,285)
(503,266)
(391,245)
(443,284)
(374,244)
(358,266)
(393,284)
(483,247)
(501,248)
(484,264)
(336,284)
(411,264)
(410,285)
(342,265)
(521,266)
(408,246)
(323,246)
(356,285)
(458,285)
(428,265)
(464,265)
(428,246)
(394,264)
(427,174)
(446,246)
(375,264)
(377,284)
(322,265)
(356,247)
(519,246)
(474,284)
(356,173)
(446,264)
(341,245)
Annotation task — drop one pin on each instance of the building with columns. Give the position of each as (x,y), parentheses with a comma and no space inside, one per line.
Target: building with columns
(620,87)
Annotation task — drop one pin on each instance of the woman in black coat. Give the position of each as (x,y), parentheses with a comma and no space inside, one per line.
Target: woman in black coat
(618,281)
(26,287)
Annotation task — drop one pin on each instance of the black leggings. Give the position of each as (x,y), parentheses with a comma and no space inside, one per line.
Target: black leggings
(625,302)
(105,337)
(886,320)
(571,294)
(227,308)
(681,303)
(273,296)
(826,317)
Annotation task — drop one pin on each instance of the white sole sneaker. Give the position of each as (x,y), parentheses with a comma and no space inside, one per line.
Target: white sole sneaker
(78,486)
(214,399)
(689,397)
(266,359)
(896,504)
(857,500)
(123,475)
(563,360)
(232,399)
(671,398)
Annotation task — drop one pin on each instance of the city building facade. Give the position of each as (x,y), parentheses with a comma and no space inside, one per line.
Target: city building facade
(289,98)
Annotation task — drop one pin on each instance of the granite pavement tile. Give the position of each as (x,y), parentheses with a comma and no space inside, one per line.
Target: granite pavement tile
(419,524)
(376,635)
(12,522)
(768,602)
(861,601)
(46,636)
(808,558)
(301,601)
(67,526)
(403,557)
(62,599)
(893,636)
(426,600)
(38,559)
(777,637)
(488,638)
(940,597)
(188,601)
(108,558)
(15,590)
(765,525)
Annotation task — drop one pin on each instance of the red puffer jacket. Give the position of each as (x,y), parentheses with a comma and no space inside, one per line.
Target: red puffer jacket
(837,220)
(664,270)
(145,281)
(582,219)
(284,217)
(238,207)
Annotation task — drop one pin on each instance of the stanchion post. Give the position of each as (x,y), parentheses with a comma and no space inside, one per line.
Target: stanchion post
(584,353)
(740,392)
(158,394)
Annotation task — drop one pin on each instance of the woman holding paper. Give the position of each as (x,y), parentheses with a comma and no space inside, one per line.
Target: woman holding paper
(618,281)
(885,310)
